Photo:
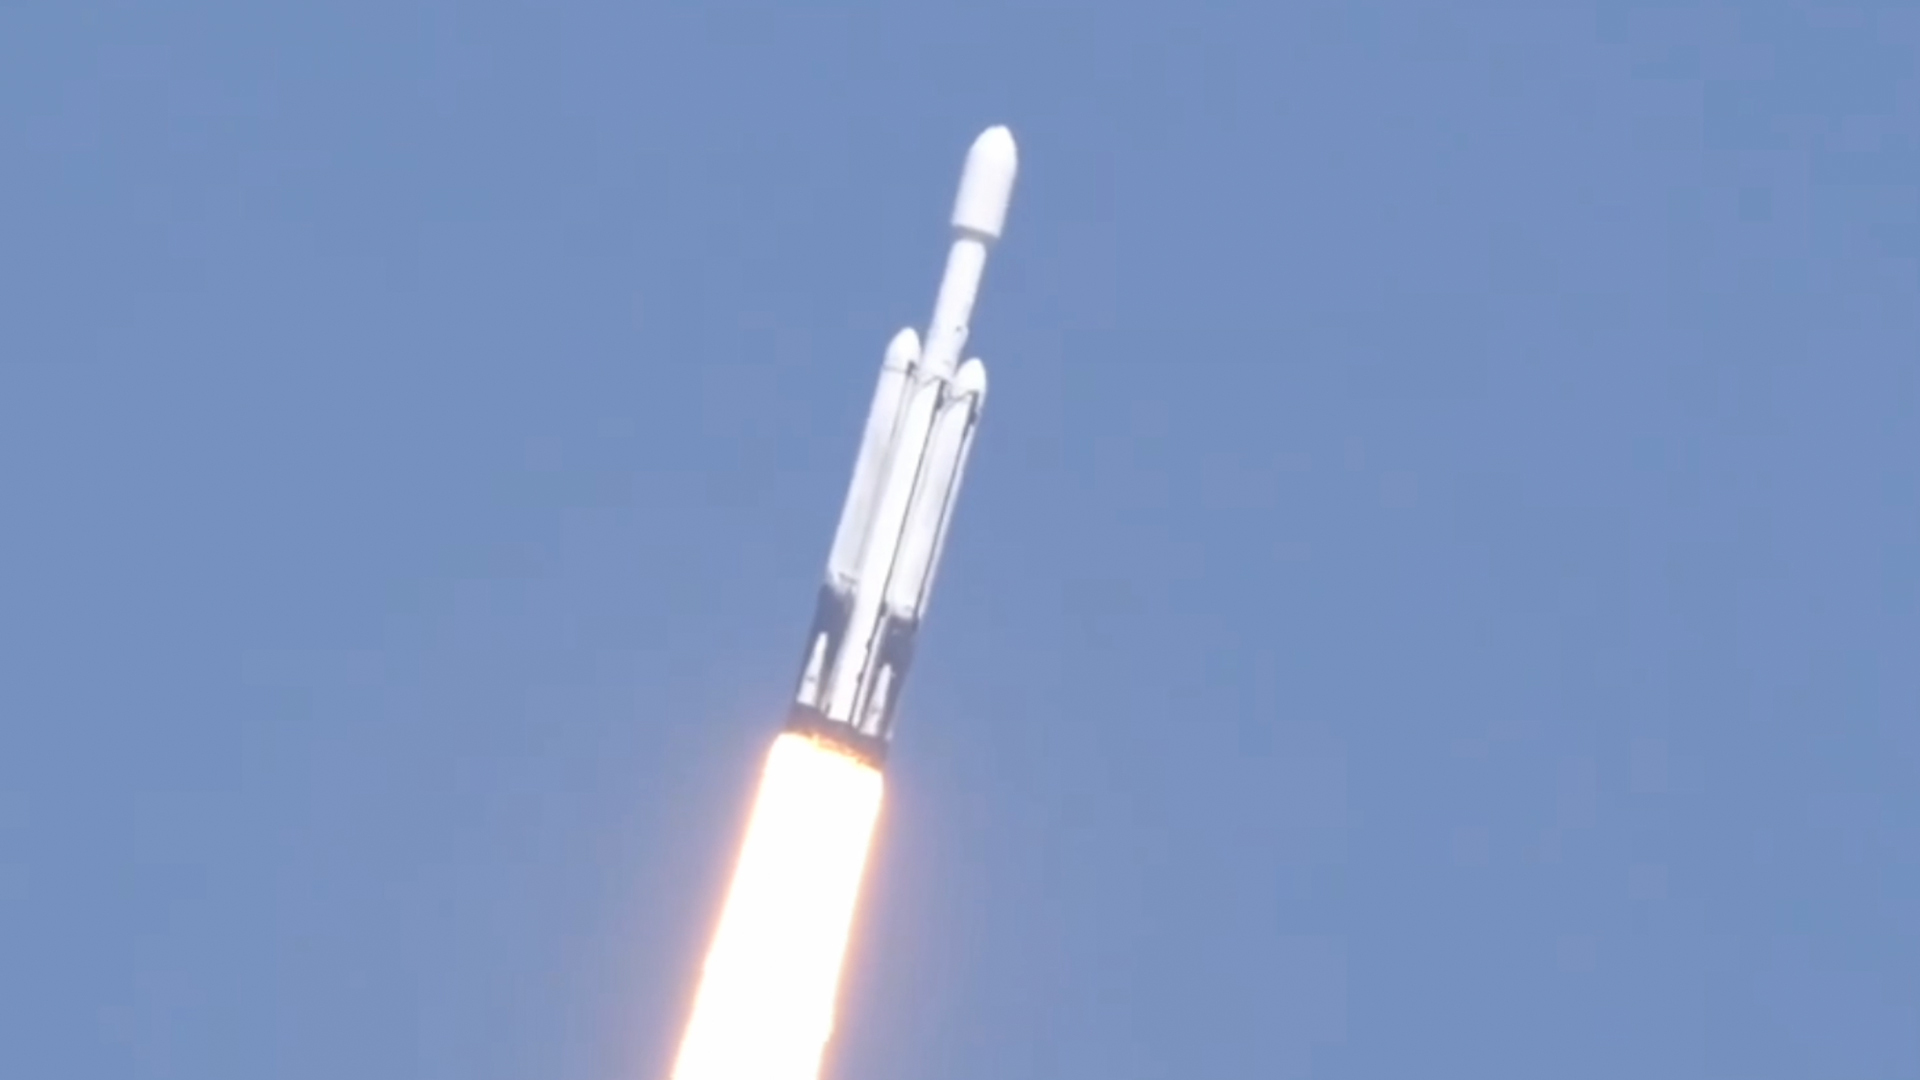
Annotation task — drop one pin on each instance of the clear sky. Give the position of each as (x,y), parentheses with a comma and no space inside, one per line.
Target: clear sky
(1438,591)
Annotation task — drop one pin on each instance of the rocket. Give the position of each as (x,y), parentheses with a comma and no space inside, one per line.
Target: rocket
(766,1002)
(912,456)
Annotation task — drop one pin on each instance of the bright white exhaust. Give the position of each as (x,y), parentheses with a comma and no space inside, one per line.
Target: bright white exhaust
(764,1010)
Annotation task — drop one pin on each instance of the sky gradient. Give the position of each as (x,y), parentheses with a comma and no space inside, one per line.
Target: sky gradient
(1437,591)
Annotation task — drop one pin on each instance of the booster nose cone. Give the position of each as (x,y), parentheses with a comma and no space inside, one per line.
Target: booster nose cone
(971,378)
(903,350)
(986,185)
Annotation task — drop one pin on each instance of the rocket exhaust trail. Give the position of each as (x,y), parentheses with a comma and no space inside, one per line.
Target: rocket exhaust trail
(764,1010)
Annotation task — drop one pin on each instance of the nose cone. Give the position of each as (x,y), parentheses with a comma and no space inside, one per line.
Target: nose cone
(971,378)
(986,185)
(903,350)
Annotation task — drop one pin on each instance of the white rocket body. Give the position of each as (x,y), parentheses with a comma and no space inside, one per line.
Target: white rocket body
(912,458)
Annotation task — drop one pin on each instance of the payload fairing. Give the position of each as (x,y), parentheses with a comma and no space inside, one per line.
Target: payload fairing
(912,457)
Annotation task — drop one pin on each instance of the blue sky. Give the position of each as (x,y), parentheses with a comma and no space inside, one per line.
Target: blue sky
(1437,590)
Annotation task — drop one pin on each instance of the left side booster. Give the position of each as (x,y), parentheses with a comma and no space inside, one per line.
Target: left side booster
(913,456)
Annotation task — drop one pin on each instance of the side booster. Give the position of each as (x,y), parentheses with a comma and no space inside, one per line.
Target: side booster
(905,481)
